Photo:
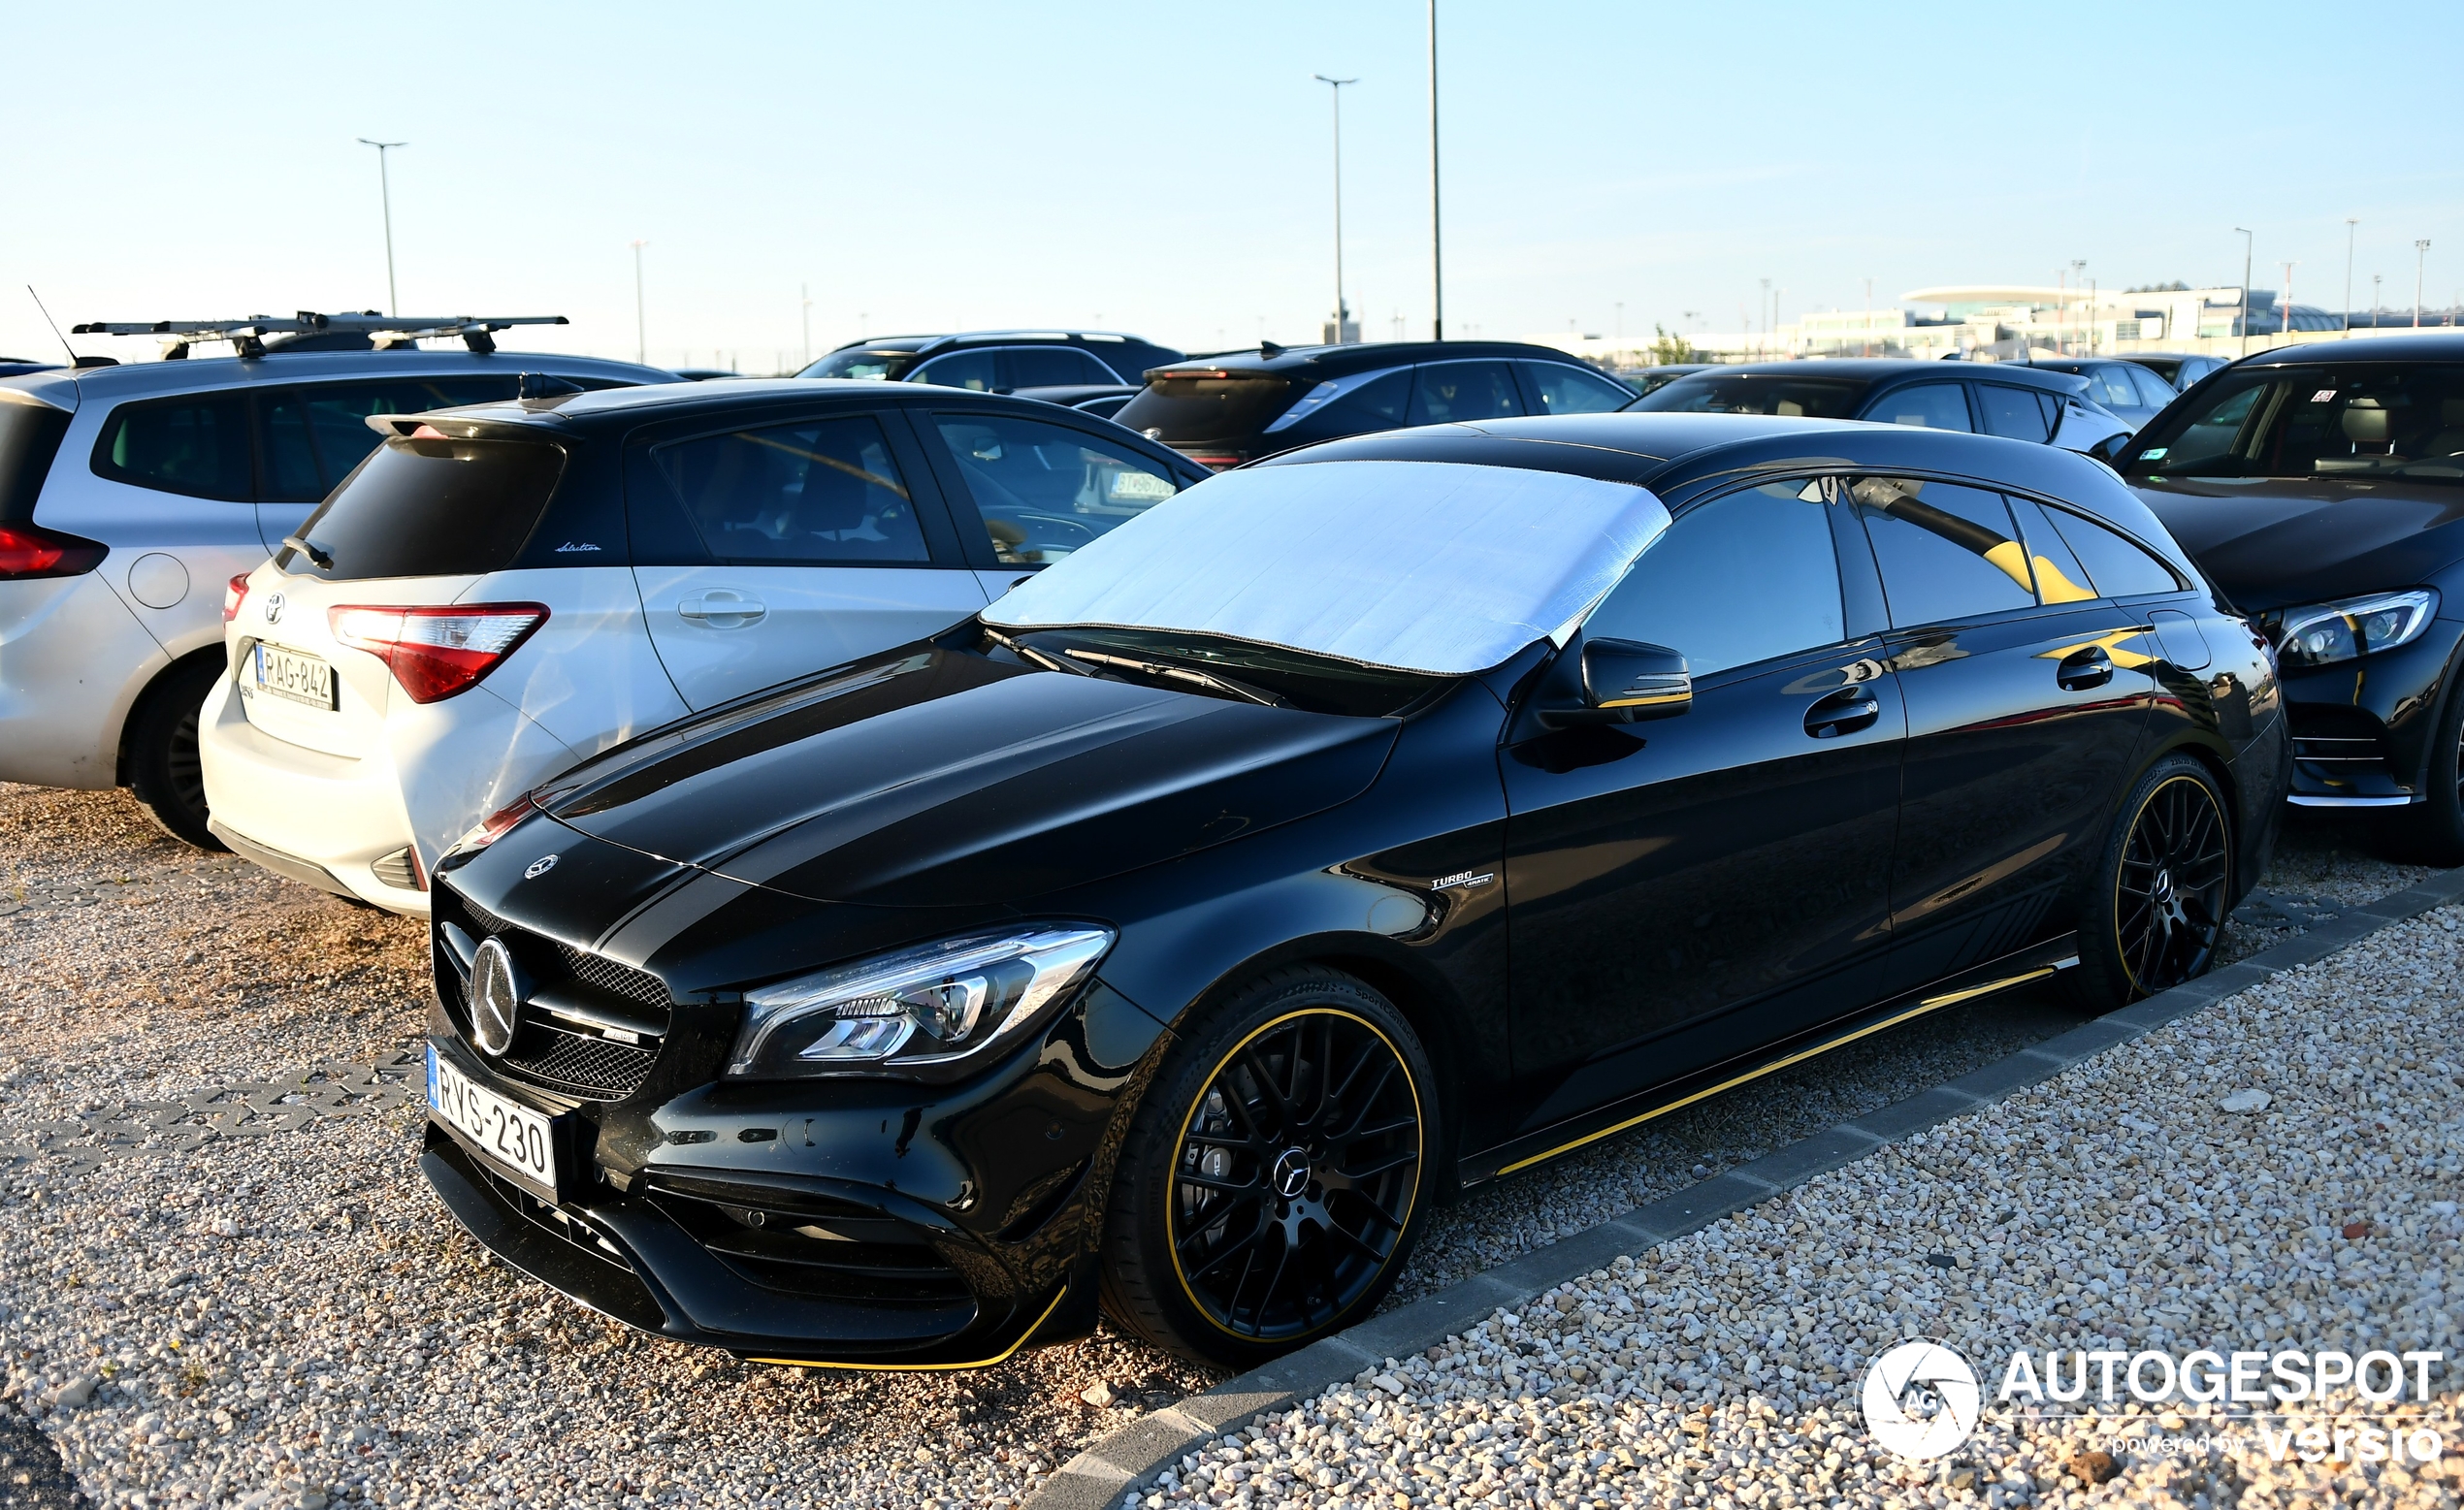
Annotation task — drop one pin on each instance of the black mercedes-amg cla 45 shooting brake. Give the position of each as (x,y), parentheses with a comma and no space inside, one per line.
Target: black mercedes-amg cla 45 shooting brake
(1348,831)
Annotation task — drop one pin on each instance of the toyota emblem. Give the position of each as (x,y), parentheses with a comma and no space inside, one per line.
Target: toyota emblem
(540,866)
(274,604)
(496,997)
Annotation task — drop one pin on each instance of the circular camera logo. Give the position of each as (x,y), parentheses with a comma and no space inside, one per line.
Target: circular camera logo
(1921,1400)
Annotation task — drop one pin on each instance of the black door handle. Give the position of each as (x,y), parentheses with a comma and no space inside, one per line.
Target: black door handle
(1843,711)
(2084,669)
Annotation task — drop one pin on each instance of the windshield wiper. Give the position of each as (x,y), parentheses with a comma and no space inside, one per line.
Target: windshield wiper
(1031,653)
(1206,679)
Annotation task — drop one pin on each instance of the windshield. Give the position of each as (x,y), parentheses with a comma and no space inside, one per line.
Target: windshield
(1205,410)
(1756,393)
(2362,419)
(1227,668)
(431,508)
(1429,566)
(879,362)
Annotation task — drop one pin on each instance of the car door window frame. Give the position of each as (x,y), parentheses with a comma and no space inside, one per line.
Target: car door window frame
(1515,380)
(1527,375)
(926,491)
(1974,403)
(975,537)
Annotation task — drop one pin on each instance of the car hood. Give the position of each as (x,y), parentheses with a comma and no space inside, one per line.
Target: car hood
(2271,543)
(934,778)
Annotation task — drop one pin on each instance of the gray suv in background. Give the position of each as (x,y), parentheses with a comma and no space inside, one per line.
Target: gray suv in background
(131,495)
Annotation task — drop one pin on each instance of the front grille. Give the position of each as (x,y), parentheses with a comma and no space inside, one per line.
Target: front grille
(640,986)
(487,922)
(598,1068)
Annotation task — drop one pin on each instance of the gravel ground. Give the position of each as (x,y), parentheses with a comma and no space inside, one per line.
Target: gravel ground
(254,1300)
(2144,1199)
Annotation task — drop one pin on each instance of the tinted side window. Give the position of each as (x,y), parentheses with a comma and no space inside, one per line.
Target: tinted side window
(1739,580)
(1947,553)
(197,445)
(1570,390)
(338,412)
(1046,489)
(820,492)
(1051,368)
(976,370)
(1379,404)
(2153,390)
(2013,412)
(1926,406)
(284,453)
(2059,578)
(2116,567)
(2111,386)
(1443,391)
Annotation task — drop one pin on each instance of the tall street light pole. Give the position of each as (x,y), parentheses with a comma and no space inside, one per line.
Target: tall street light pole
(2351,228)
(2285,322)
(2421,255)
(2246,288)
(1336,90)
(386,189)
(641,325)
(1437,255)
(804,291)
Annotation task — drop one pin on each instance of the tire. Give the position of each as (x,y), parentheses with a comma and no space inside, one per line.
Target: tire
(2153,908)
(2432,833)
(1314,1194)
(161,754)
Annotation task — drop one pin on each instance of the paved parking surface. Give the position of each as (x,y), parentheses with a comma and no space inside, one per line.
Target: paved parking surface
(224,1282)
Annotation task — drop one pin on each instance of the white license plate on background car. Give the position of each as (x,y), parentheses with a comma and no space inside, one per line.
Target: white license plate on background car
(296,678)
(506,1134)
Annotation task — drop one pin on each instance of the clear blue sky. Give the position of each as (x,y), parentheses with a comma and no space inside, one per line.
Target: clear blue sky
(1163,168)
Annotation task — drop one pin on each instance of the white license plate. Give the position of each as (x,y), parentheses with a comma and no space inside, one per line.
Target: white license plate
(506,1134)
(303,679)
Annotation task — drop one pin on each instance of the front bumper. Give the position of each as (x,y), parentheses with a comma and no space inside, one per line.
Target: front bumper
(627,1257)
(2362,729)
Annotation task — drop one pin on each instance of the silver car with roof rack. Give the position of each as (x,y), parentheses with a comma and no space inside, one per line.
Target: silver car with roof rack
(130,494)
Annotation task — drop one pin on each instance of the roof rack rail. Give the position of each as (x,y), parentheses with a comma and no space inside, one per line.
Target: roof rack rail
(383,331)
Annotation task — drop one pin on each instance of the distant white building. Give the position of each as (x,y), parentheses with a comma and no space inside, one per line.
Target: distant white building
(1990,321)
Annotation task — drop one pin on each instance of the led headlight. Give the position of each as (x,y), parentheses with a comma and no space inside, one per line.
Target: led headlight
(2323,633)
(917,1008)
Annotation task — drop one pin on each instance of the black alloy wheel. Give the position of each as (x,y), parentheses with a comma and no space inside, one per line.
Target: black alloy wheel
(1273,1176)
(165,774)
(2159,900)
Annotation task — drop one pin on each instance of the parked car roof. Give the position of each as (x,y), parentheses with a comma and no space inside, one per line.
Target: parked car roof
(1361,356)
(66,387)
(1879,370)
(2428,346)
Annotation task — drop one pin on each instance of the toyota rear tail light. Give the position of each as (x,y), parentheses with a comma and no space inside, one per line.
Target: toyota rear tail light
(233,595)
(434,653)
(32,551)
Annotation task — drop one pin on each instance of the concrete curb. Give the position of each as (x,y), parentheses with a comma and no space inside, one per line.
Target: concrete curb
(1129,1458)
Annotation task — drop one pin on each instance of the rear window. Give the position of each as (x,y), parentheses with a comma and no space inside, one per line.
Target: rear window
(1201,410)
(432,508)
(1705,393)
(29,439)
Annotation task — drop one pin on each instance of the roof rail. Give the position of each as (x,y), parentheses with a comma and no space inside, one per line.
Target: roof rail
(384,331)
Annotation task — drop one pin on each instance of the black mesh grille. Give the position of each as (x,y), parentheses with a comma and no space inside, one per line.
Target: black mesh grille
(595,1066)
(635,985)
(487,922)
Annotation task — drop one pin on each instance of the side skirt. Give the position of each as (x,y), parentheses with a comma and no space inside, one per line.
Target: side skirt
(2018,968)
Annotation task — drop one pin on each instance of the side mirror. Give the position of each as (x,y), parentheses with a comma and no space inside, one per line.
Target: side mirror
(1629,680)
(2108,448)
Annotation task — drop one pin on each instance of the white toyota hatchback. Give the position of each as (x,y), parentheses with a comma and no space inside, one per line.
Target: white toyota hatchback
(499,592)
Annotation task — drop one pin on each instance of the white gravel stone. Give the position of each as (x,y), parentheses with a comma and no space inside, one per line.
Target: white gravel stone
(2110,1208)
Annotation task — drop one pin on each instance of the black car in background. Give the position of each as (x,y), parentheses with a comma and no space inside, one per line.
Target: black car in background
(1234,408)
(2181,372)
(2130,389)
(2012,399)
(1141,944)
(999,361)
(2322,488)
(1651,379)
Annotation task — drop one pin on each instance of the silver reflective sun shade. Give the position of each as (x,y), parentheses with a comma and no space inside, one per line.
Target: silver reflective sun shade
(1416,566)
